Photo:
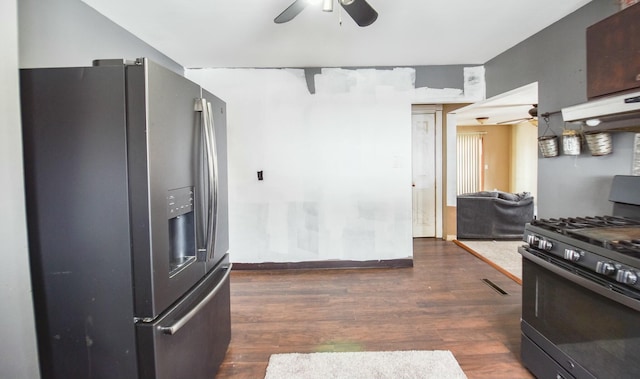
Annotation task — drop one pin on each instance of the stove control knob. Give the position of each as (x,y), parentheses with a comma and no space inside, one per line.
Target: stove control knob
(532,240)
(605,268)
(626,277)
(572,255)
(545,245)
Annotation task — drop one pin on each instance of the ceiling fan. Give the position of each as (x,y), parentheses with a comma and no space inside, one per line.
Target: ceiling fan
(359,10)
(533,113)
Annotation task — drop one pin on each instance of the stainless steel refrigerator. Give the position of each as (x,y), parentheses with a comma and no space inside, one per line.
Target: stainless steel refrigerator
(126,190)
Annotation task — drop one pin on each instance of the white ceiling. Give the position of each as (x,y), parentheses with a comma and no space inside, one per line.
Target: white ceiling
(508,108)
(241,33)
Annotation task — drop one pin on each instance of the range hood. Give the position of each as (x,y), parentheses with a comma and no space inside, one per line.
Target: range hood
(613,112)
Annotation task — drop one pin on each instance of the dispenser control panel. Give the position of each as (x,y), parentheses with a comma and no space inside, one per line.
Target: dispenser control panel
(179,201)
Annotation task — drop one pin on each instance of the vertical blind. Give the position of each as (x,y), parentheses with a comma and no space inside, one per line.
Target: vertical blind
(469,162)
(636,155)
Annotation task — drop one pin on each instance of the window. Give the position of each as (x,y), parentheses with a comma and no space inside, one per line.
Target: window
(469,161)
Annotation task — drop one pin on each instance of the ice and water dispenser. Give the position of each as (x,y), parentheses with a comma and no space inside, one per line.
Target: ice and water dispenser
(182,249)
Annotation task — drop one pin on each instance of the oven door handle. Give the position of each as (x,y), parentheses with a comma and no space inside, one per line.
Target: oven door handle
(581,281)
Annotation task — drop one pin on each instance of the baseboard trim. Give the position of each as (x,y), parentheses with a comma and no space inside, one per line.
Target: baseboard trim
(333,264)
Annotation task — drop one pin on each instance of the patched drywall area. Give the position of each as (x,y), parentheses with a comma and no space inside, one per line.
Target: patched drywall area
(336,164)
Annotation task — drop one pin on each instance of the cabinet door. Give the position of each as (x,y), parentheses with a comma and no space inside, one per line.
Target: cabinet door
(613,53)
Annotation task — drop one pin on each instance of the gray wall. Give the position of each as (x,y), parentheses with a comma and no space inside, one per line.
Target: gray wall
(447,76)
(556,59)
(58,33)
(18,356)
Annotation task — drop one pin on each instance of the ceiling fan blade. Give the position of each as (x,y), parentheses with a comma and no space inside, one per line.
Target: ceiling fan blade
(361,12)
(516,121)
(292,11)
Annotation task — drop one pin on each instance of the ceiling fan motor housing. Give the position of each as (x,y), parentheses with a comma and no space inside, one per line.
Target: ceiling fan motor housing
(359,10)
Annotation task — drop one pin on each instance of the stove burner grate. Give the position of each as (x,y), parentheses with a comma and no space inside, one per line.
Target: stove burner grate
(565,224)
(613,233)
(628,247)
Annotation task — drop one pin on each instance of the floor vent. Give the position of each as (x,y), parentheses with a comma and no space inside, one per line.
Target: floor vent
(495,287)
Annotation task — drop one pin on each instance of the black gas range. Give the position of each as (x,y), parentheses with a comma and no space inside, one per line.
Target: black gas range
(581,291)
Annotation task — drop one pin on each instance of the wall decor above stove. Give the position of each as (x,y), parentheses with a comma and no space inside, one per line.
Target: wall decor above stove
(600,143)
(548,144)
(571,142)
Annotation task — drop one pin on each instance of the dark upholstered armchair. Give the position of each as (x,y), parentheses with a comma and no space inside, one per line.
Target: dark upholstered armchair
(493,215)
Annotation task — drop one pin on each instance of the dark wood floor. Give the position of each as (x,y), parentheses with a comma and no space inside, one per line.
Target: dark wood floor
(441,303)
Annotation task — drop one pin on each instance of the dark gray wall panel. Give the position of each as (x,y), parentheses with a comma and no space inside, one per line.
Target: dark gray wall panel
(556,59)
(450,76)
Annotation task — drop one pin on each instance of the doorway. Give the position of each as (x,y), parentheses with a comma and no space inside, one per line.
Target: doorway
(426,132)
(509,133)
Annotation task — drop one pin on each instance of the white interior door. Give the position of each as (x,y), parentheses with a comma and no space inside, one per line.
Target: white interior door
(424,173)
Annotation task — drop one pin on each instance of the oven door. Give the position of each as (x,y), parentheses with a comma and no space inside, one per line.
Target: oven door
(588,325)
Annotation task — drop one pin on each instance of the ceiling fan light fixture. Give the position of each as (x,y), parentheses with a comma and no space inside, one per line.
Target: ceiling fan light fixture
(346,2)
(327,5)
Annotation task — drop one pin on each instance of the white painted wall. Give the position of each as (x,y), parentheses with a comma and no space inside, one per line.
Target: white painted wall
(18,354)
(337,163)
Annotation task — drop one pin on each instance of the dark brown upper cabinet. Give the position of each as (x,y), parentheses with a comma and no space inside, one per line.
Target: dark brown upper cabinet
(613,53)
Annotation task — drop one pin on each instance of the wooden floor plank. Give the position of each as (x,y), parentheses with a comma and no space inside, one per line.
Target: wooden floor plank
(439,304)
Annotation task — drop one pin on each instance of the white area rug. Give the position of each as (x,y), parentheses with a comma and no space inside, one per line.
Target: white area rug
(437,364)
(503,254)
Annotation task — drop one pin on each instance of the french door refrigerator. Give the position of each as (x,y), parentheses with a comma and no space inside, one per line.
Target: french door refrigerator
(126,191)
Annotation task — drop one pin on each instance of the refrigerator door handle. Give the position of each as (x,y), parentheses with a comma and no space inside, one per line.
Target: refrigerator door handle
(176,326)
(204,162)
(213,187)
